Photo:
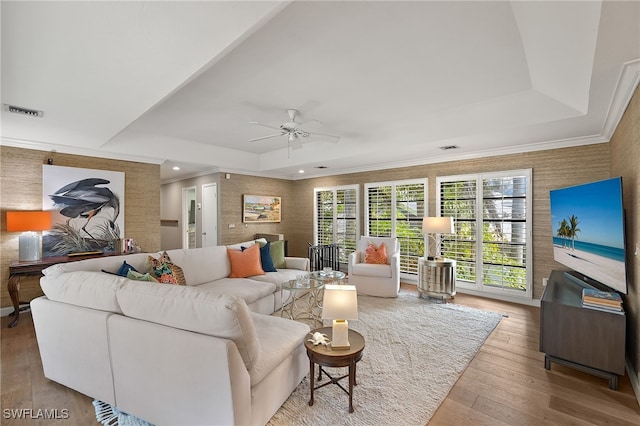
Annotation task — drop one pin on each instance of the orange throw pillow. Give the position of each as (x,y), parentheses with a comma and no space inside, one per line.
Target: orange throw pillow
(375,255)
(245,263)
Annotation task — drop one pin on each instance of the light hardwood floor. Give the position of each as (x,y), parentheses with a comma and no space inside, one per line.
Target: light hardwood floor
(505,384)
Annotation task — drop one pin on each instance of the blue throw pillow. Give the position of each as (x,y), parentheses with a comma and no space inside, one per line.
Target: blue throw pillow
(125,268)
(265,259)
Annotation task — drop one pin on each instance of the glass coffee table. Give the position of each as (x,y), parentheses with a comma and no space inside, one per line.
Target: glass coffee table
(328,276)
(296,306)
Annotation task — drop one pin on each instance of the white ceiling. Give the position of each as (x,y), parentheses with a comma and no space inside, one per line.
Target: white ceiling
(177,83)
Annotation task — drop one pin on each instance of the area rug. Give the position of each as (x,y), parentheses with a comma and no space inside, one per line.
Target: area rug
(111,416)
(415,350)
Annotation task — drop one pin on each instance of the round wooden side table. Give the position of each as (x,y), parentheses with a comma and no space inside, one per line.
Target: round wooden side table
(325,356)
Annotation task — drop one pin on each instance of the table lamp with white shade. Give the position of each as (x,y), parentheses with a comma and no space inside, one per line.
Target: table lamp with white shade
(340,304)
(433,226)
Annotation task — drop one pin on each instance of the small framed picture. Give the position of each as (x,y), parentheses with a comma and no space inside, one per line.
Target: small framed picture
(261,208)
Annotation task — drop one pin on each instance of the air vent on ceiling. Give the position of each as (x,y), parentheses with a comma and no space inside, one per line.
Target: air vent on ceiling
(448,147)
(322,167)
(24,111)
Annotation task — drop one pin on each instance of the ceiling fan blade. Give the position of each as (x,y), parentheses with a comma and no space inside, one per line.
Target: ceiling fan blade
(265,125)
(265,137)
(335,137)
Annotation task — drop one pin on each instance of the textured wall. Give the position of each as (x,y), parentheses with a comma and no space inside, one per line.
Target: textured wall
(551,169)
(230,192)
(625,162)
(21,183)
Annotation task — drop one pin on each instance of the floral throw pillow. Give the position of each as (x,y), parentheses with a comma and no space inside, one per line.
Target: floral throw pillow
(375,255)
(166,271)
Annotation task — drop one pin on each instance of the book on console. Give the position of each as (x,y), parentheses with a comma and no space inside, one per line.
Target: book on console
(608,298)
(603,308)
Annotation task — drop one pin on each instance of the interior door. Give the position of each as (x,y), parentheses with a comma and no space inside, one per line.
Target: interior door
(209,215)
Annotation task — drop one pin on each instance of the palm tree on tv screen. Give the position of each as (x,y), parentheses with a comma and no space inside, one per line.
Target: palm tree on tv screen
(573,230)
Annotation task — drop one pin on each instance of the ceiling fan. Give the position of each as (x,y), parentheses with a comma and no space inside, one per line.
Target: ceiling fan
(291,130)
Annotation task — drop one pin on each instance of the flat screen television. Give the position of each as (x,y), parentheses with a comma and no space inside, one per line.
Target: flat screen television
(588,231)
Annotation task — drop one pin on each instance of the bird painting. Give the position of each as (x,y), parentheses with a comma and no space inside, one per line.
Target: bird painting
(85,198)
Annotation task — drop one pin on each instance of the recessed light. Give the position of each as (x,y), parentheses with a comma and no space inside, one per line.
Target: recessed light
(300,171)
(176,168)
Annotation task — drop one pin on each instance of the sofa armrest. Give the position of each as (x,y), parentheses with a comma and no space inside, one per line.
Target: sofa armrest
(301,263)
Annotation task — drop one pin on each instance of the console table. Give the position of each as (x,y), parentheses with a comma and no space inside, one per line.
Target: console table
(437,277)
(19,269)
(586,339)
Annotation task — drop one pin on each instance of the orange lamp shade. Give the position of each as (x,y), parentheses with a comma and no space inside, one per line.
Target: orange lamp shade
(28,221)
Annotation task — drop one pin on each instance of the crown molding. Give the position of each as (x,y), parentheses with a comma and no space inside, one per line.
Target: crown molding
(625,88)
(74,150)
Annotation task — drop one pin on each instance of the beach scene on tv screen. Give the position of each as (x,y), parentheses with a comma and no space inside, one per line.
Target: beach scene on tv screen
(588,231)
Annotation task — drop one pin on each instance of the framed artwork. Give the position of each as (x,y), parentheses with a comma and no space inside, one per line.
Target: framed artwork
(261,208)
(87,210)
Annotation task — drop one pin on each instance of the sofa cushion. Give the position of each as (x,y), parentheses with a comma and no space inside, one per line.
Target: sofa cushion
(279,277)
(91,289)
(277,254)
(201,265)
(371,270)
(137,276)
(375,255)
(245,263)
(165,271)
(279,337)
(193,309)
(265,258)
(125,268)
(247,289)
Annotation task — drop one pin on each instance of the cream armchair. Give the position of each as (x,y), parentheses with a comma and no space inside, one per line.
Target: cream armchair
(381,280)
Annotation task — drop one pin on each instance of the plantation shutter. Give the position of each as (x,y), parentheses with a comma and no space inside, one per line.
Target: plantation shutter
(458,200)
(336,221)
(504,234)
(491,215)
(396,209)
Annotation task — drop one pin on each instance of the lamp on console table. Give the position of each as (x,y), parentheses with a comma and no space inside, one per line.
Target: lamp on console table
(433,226)
(30,223)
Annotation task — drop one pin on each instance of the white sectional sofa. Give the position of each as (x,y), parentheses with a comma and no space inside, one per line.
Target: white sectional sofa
(203,353)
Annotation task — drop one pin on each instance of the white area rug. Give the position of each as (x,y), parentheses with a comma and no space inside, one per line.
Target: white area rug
(415,350)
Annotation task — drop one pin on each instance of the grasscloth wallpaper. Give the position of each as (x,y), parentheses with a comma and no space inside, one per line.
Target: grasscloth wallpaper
(21,176)
(625,162)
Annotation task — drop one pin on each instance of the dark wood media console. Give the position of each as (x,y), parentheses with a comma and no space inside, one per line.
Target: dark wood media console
(587,339)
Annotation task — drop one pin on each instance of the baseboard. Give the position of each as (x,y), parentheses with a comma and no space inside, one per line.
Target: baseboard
(488,295)
(633,378)
(4,312)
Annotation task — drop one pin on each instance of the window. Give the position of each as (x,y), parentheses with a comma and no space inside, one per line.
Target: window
(396,209)
(492,243)
(336,218)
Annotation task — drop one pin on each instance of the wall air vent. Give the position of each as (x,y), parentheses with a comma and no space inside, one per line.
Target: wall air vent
(24,111)
(448,147)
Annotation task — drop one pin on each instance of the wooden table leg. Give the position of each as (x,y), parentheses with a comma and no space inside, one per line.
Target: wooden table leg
(312,375)
(13,286)
(352,380)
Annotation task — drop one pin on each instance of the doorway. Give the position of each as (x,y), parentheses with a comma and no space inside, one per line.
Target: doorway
(209,214)
(189,217)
